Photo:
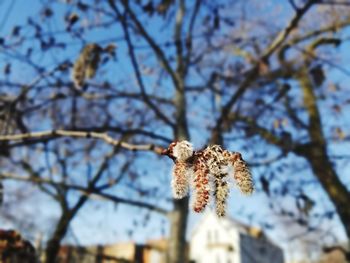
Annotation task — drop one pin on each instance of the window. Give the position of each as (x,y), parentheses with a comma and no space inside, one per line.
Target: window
(209,236)
(216,235)
(262,250)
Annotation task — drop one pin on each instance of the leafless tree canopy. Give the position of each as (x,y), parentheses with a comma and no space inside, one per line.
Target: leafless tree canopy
(92,91)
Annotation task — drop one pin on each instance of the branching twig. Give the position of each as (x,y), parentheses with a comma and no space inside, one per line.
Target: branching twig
(81,134)
(135,65)
(282,36)
(292,3)
(157,50)
(335,3)
(90,193)
(189,35)
(253,73)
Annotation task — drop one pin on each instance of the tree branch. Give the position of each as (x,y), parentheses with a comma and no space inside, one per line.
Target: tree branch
(81,134)
(282,36)
(135,65)
(92,193)
(189,35)
(178,40)
(157,50)
(253,73)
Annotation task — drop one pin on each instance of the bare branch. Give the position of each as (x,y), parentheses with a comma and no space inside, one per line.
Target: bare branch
(81,134)
(92,193)
(292,3)
(334,3)
(189,36)
(253,73)
(282,36)
(178,39)
(135,65)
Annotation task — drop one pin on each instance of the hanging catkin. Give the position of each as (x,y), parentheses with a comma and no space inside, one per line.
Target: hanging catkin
(208,171)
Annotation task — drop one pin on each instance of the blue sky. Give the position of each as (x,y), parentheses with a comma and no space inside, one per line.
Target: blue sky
(104,222)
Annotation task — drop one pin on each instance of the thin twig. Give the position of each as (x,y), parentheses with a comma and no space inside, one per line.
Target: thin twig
(137,71)
(90,193)
(253,73)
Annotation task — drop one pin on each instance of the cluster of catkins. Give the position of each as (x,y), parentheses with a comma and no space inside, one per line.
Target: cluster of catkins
(207,171)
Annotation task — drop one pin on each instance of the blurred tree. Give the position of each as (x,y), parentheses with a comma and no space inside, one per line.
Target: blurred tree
(14,249)
(221,71)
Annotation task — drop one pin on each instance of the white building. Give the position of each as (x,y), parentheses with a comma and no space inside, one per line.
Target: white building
(224,240)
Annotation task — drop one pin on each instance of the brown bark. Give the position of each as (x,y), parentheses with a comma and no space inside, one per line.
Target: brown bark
(316,154)
(327,176)
(178,217)
(177,240)
(68,214)
(53,245)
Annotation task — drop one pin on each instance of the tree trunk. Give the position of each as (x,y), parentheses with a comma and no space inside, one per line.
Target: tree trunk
(316,154)
(335,189)
(54,243)
(177,250)
(178,218)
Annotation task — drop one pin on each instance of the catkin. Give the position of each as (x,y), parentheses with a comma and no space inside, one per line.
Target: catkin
(242,174)
(180,181)
(221,194)
(86,65)
(201,185)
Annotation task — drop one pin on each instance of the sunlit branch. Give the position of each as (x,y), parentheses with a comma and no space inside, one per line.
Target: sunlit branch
(309,35)
(253,73)
(284,143)
(81,134)
(282,36)
(326,61)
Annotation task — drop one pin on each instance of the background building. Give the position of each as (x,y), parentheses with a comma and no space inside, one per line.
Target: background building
(214,240)
(224,240)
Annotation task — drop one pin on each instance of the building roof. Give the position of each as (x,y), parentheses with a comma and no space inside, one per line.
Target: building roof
(231,223)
